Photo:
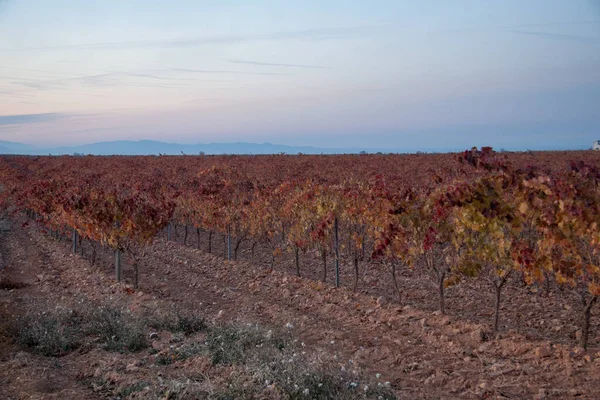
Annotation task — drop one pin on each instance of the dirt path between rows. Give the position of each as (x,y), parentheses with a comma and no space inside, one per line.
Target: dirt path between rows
(36,275)
(423,355)
(426,355)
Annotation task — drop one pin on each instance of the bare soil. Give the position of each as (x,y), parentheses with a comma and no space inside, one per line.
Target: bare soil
(423,354)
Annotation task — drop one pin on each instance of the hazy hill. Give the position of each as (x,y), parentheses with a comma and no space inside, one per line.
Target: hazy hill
(8,147)
(149,147)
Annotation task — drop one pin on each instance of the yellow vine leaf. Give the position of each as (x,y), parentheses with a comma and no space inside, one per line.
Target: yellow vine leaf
(523,207)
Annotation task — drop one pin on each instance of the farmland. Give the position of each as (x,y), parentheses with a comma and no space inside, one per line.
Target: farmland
(472,275)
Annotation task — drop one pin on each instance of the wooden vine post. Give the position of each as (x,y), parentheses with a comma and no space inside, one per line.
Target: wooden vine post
(337,252)
(228,242)
(74,245)
(118,265)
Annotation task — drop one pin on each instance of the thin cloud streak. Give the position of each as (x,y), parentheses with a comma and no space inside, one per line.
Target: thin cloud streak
(156,77)
(309,34)
(159,78)
(517,27)
(62,74)
(87,85)
(551,24)
(267,64)
(560,36)
(203,71)
(15,94)
(100,80)
(30,118)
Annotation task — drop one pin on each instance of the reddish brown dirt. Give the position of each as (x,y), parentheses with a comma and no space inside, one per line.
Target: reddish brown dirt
(423,354)
(527,310)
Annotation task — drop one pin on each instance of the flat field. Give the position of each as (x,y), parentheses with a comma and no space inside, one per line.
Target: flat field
(229,287)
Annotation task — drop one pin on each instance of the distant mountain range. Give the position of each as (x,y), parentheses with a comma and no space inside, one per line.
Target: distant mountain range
(149,147)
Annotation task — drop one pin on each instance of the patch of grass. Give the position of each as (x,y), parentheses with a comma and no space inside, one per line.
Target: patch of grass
(46,334)
(233,388)
(259,363)
(186,323)
(234,344)
(58,331)
(165,359)
(180,354)
(236,390)
(189,324)
(274,362)
(117,330)
(302,381)
(188,389)
(101,386)
(129,390)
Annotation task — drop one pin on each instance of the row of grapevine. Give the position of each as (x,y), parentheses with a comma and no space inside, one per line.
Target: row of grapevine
(485,216)
(125,218)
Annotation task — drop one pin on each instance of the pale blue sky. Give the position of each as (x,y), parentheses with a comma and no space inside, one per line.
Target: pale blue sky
(512,74)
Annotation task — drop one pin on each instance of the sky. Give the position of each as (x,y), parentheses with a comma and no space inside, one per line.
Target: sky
(331,73)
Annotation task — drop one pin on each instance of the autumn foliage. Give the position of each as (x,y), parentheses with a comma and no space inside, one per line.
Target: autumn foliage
(458,217)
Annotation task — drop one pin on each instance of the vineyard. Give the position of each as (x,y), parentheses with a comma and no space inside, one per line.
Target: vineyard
(398,228)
